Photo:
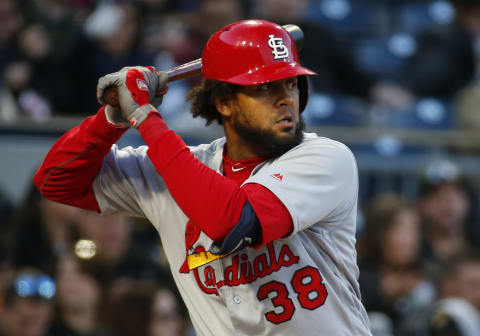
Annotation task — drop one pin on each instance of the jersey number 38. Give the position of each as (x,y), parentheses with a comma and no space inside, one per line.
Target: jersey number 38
(308,285)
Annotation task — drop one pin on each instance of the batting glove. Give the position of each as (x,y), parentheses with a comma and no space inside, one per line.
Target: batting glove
(138,87)
(114,117)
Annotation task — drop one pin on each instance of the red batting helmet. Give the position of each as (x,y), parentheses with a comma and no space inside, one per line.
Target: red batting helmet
(254,52)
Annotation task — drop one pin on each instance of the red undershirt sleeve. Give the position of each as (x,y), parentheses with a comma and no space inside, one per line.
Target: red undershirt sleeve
(272,214)
(210,200)
(67,172)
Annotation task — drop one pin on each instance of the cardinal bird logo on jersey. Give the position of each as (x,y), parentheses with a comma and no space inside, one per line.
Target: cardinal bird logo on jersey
(192,232)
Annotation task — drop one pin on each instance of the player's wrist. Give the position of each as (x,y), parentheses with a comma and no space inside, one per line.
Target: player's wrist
(114,118)
(99,126)
(140,114)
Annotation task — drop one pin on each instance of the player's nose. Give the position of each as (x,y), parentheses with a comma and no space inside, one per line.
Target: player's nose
(285,96)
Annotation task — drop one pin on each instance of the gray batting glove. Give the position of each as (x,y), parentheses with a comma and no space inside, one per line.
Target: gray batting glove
(114,117)
(137,87)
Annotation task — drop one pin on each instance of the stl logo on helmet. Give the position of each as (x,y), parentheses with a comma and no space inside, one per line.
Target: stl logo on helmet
(279,49)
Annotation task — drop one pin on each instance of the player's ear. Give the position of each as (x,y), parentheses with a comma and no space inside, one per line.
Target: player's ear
(223,105)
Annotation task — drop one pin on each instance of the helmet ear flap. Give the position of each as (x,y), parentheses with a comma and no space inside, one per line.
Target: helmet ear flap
(303,92)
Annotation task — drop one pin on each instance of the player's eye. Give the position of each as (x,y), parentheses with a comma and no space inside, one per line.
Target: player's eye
(292,83)
(265,86)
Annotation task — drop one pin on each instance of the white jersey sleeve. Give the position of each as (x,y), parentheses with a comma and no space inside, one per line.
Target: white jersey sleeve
(317,181)
(126,180)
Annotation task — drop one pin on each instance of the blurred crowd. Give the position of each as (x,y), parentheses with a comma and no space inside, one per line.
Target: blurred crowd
(406,63)
(410,63)
(419,259)
(68,272)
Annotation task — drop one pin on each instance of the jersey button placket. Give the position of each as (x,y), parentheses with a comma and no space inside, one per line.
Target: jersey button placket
(237,299)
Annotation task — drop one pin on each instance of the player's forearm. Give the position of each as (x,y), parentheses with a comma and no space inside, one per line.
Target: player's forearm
(211,201)
(67,172)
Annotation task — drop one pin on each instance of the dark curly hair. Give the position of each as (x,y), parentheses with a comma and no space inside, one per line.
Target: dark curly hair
(203,99)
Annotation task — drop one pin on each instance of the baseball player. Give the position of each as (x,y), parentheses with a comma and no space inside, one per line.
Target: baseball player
(258,226)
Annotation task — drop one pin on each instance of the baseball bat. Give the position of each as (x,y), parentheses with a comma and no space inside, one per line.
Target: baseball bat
(193,68)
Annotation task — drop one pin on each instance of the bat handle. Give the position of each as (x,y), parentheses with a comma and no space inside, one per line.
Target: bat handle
(190,69)
(186,70)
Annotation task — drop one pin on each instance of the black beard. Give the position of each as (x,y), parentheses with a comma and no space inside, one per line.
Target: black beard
(266,143)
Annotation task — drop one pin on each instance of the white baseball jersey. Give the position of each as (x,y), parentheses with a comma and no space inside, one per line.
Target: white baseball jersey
(304,284)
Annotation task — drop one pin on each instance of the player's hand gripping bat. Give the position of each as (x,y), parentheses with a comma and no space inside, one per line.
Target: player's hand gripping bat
(193,68)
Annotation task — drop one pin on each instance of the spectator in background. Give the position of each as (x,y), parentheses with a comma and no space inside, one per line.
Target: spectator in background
(50,43)
(6,209)
(166,36)
(163,32)
(111,234)
(4,264)
(78,299)
(118,253)
(126,265)
(40,232)
(27,305)
(444,204)
(460,277)
(18,96)
(392,279)
(337,72)
(446,59)
(11,23)
(115,241)
(82,8)
(209,16)
(114,33)
(147,309)
(167,317)
(456,312)
(43,233)
(468,20)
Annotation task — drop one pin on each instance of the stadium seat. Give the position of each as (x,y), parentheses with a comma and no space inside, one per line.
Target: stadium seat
(426,113)
(335,110)
(385,58)
(350,18)
(415,17)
